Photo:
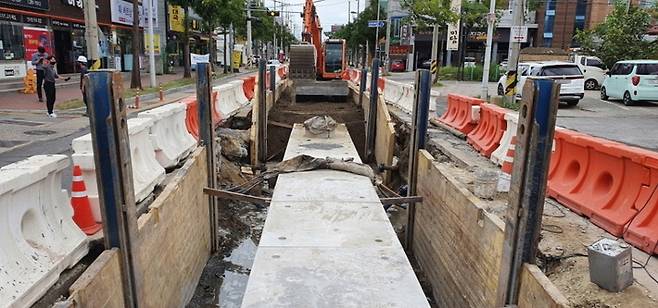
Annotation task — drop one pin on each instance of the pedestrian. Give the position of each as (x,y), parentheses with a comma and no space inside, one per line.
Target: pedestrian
(82,65)
(50,74)
(37,60)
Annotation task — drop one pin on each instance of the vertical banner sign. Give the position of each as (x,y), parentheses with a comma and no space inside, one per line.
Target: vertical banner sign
(33,38)
(176,18)
(453,28)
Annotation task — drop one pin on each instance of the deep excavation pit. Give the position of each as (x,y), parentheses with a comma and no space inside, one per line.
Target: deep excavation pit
(226,273)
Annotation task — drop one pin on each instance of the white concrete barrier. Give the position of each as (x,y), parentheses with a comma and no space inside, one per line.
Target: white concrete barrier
(147,172)
(171,140)
(401,95)
(238,91)
(38,237)
(498,156)
(227,102)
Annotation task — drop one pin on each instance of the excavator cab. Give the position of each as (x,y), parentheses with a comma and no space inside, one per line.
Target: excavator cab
(334,59)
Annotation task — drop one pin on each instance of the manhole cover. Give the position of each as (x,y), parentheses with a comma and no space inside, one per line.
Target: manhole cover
(10,143)
(39,132)
(20,122)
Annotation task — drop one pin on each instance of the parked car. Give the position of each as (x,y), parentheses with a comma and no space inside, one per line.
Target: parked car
(398,66)
(632,81)
(570,77)
(426,64)
(594,70)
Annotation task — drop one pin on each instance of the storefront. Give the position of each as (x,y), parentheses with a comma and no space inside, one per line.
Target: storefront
(57,25)
(175,33)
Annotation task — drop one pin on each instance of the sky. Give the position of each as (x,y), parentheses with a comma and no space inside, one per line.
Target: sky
(331,12)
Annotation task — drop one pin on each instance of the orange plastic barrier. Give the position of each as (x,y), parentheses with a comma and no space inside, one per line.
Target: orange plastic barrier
(281,71)
(381,82)
(643,229)
(487,134)
(248,86)
(458,114)
(604,180)
(192,116)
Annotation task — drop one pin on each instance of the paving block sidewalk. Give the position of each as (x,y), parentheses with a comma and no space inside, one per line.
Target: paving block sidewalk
(20,101)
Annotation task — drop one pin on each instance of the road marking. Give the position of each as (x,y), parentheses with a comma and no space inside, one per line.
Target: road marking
(616,105)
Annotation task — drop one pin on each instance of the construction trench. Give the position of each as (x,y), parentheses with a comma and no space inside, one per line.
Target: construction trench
(273,251)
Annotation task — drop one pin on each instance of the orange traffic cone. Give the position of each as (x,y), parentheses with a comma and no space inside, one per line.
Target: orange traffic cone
(509,160)
(80,203)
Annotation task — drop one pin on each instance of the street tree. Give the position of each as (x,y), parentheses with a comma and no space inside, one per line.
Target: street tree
(185,4)
(218,13)
(622,36)
(135,78)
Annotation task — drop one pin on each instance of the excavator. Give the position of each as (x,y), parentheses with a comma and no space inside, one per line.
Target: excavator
(316,66)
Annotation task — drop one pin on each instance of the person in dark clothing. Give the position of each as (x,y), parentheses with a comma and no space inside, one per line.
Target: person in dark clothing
(49,76)
(37,60)
(82,65)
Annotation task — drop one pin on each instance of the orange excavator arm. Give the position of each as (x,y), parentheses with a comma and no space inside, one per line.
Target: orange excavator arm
(313,34)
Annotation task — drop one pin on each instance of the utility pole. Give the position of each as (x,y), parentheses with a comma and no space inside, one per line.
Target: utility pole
(349,9)
(514,49)
(91,34)
(274,32)
(435,50)
(377,32)
(248,45)
(491,19)
(151,47)
(387,47)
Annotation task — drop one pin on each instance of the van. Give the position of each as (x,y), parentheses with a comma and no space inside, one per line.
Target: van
(594,70)
(632,81)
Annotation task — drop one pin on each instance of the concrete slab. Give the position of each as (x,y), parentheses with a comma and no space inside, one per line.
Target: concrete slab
(338,146)
(324,185)
(328,224)
(329,277)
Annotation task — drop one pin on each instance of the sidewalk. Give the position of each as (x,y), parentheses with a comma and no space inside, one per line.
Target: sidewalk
(20,101)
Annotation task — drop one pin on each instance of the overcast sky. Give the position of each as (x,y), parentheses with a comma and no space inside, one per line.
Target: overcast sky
(331,12)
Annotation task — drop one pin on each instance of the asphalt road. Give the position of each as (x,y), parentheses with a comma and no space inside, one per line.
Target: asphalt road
(633,125)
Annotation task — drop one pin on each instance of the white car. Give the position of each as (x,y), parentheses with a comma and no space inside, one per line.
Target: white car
(593,69)
(567,74)
(632,81)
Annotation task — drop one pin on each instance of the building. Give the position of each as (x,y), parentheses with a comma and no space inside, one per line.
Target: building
(559,20)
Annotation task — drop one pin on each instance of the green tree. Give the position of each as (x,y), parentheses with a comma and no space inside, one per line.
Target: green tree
(621,36)
(358,33)
(218,13)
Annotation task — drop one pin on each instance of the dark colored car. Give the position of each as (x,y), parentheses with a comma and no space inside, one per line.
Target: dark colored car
(398,66)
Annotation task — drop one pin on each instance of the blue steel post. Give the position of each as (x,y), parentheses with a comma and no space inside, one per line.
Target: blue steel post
(109,134)
(527,192)
(272,70)
(206,138)
(261,124)
(371,128)
(419,118)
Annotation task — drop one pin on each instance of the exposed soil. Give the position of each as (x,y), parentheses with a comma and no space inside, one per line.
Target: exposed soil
(285,114)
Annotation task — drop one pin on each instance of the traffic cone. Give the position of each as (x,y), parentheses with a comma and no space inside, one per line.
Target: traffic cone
(80,203)
(505,176)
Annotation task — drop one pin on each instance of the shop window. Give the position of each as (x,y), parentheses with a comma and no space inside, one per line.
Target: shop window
(11,42)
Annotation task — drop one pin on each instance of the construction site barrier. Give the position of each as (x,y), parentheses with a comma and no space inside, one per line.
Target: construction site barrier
(486,136)
(499,155)
(238,85)
(38,237)
(249,86)
(228,102)
(147,172)
(642,232)
(401,95)
(171,140)
(282,72)
(604,180)
(458,114)
(191,116)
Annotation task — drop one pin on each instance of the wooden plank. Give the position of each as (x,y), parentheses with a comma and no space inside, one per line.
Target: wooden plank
(384,138)
(225,194)
(537,290)
(400,200)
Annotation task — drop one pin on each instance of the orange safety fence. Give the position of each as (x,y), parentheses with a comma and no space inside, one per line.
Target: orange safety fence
(248,86)
(459,112)
(485,138)
(609,182)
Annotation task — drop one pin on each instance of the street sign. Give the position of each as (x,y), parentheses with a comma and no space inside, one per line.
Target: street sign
(518,34)
(453,37)
(375,23)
